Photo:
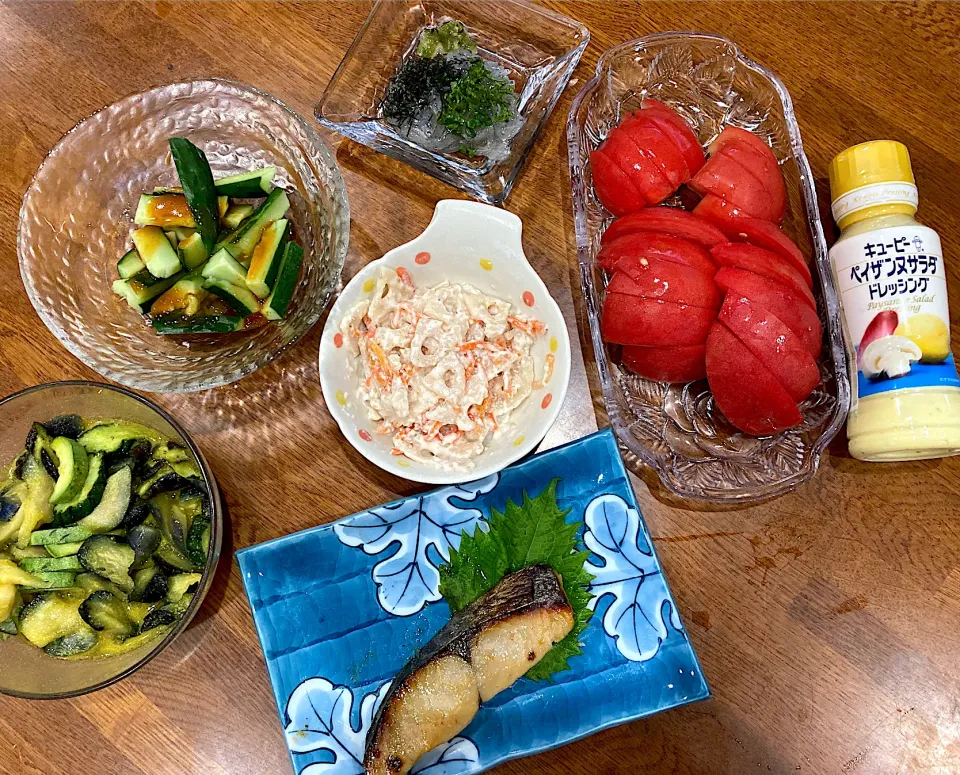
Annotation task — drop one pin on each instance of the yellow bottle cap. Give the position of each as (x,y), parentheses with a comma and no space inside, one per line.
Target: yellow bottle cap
(875,176)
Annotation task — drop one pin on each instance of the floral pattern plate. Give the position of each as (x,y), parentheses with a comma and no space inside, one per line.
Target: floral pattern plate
(340,608)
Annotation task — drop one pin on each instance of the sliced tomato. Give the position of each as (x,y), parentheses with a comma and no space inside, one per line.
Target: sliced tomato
(648,244)
(771,180)
(780,350)
(643,170)
(779,300)
(677,129)
(666,220)
(723,176)
(763,262)
(744,389)
(658,147)
(657,278)
(667,364)
(741,228)
(650,322)
(613,187)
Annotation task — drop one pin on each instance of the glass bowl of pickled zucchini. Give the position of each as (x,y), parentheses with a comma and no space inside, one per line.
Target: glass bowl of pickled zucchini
(182,237)
(110,531)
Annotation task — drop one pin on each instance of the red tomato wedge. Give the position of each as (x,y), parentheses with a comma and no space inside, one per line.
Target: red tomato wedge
(741,228)
(666,220)
(763,262)
(753,153)
(673,125)
(613,187)
(643,170)
(656,278)
(775,298)
(779,349)
(743,389)
(653,323)
(648,244)
(725,177)
(659,148)
(667,364)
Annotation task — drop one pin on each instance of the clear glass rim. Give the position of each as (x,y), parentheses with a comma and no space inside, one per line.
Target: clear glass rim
(338,252)
(213,553)
(815,227)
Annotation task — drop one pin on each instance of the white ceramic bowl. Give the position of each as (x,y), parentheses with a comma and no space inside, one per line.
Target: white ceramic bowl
(467,242)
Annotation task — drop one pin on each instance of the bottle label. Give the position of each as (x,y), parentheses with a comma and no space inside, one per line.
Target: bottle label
(893,291)
(895,193)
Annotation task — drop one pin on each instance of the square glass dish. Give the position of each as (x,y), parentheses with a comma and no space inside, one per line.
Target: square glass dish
(538,47)
(675,429)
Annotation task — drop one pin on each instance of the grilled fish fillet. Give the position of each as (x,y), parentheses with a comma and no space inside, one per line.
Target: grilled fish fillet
(481,651)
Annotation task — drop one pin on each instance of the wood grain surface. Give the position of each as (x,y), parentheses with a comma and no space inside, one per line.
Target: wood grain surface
(827,622)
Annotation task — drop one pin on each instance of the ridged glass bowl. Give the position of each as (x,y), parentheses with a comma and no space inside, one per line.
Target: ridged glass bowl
(77,216)
(26,671)
(676,429)
(538,46)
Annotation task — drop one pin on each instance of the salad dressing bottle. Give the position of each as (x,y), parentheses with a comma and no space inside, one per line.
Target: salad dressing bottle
(905,393)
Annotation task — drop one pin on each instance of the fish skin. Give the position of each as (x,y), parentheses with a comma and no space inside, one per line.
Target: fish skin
(483,649)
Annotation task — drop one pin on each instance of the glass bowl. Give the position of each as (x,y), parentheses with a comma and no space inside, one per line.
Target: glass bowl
(539,47)
(77,216)
(26,671)
(675,429)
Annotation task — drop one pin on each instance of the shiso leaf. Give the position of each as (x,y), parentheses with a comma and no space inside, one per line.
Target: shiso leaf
(534,532)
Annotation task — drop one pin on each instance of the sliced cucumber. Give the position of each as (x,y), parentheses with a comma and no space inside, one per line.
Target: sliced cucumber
(144,540)
(205,324)
(164,210)
(59,536)
(35,508)
(63,550)
(198,539)
(277,304)
(51,580)
(198,188)
(192,252)
(73,644)
(147,280)
(110,436)
(113,505)
(267,257)
(106,612)
(73,467)
(138,295)
(238,298)
(172,556)
(44,564)
(185,297)
(91,582)
(156,251)
(89,496)
(247,185)
(8,601)
(223,266)
(223,204)
(109,558)
(48,617)
(236,214)
(149,585)
(130,264)
(11,573)
(179,585)
(242,241)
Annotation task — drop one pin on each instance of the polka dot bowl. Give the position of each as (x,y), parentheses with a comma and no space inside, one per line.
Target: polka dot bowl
(479,245)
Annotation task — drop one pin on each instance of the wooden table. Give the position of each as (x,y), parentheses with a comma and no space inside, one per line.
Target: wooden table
(827,621)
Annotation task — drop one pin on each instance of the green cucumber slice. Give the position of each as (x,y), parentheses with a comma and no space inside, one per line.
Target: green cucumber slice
(60,536)
(246,185)
(109,558)
(88,498)
(165,210)
(45,564)
(64,550)
(208,324)
(277,304)
(192,252)
(198,188)
(183,298)
(109,436)
(267,257)
(130,264)
(73,467)
(223,266)
(49,580)
(48,617)
(113,505)
(237,214)
(242,241)
(240,300)
(156,251)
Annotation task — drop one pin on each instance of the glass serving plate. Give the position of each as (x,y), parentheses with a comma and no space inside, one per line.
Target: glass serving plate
(540,49)
(26,671)
(676,429)
(77,216)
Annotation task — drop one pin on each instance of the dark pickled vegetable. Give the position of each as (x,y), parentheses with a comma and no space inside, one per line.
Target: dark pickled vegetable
(68,425)
(149,585)
(104,611)
(144,540)
(73,644)
(159,618)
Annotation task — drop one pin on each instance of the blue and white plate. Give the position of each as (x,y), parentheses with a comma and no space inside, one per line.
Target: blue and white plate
(341,608)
